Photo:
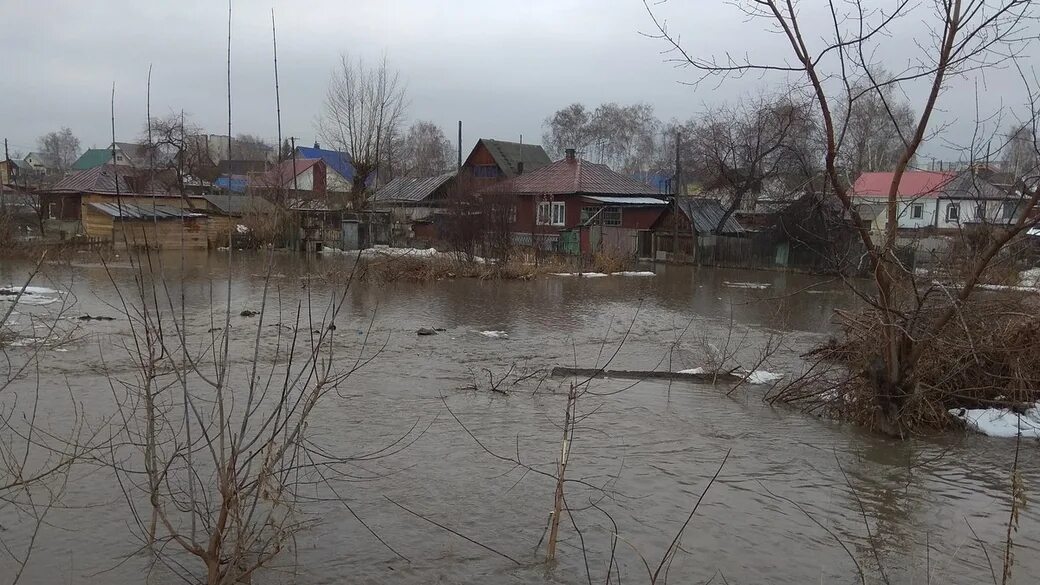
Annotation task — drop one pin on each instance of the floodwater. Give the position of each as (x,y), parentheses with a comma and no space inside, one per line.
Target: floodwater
(907,512)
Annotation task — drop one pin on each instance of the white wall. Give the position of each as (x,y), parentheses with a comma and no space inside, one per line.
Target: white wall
(970,212)
(335,181)
(905,211)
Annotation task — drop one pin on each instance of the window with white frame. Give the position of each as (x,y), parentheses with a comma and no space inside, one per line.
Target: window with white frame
(551,213)
(587,213)
(917,211)
(953,212)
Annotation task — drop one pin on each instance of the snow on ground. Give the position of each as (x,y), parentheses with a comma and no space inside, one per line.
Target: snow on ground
(758,285)
(692,371)
(495,334)
(387,251)
(242,229)
(635,273)
(1001,422)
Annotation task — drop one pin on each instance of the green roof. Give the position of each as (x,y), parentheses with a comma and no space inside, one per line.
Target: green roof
(93,157)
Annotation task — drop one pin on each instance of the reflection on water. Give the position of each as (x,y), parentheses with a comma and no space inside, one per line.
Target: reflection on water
(653,445)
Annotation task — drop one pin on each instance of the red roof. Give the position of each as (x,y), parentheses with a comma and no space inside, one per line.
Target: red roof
(574,176)
(282,175)
(912,184)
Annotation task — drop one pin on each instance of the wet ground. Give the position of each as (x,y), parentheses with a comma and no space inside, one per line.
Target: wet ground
(775,514)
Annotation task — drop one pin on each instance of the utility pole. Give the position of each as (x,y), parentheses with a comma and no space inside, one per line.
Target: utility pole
(292,145)
(7,174)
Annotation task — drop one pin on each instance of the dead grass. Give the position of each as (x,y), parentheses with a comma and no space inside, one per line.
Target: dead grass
(426,269)
(988,357)
(611,260)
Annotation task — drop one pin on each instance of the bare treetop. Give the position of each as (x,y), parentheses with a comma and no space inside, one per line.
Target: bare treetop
(364,106)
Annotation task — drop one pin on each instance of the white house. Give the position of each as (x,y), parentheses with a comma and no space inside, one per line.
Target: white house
(40,164)
(940,200)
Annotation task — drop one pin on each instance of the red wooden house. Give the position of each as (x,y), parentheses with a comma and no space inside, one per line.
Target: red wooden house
(576,206)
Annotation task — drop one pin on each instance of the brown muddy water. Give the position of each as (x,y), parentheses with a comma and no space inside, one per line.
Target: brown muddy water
(654,444)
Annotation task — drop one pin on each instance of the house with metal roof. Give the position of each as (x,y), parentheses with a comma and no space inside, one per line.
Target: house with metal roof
(304,178)
(943,200)
(577,206)
(415,198)
(495,160)
(143,226)
(70,206)
(686,221)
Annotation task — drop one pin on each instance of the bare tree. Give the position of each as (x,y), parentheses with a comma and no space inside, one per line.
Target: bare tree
(61,148)
(1022,157)
(873,122)
(736,149)
(959,38)
(570,127)
(622,137)
(427,151)
(364,108)
(171,145)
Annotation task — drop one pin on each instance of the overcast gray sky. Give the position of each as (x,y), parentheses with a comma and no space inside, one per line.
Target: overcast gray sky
(500,66)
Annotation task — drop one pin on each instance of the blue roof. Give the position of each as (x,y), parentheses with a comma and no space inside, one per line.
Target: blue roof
(337,161)
(235,184)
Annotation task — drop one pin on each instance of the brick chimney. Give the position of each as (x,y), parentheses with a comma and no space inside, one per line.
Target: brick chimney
(570,154)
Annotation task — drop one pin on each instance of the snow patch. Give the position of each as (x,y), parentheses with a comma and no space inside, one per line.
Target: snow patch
(582,274)
(242,229)
(635,273)
(755,285)
(1029,278)
(387,251)
(762,377)
(692,371)
(1001,422)
(29,290)
(495,334)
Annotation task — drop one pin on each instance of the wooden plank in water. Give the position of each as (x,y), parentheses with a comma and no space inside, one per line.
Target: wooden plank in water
(705,378)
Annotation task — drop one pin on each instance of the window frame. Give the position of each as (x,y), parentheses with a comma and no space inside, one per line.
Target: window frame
(954,217)
(559,208)
(917,211)
(552,213)
(612,216)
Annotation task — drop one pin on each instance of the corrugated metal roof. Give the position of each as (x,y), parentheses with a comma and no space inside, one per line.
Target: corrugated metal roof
(628,200)
(282,175)
(411,189)
(508,156)
(104,180)
(335,160)
(706,214)
(131,211)
(238,204)
(574,176)
(93,157)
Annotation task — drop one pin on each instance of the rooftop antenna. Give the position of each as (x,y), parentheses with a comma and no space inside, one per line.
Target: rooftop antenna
(520,165)
(459,166)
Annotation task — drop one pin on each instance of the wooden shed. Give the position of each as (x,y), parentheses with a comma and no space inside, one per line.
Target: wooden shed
(146,226)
